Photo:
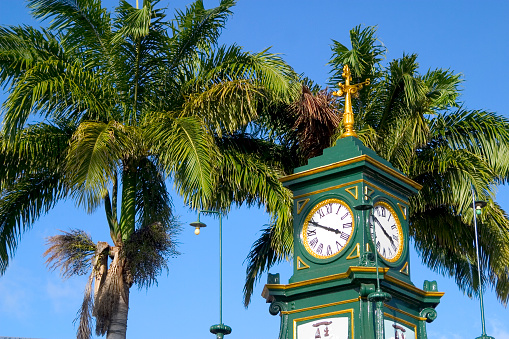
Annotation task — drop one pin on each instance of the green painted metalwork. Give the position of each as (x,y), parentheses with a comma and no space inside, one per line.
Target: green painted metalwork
(220,330)
(477,205)
(351,294)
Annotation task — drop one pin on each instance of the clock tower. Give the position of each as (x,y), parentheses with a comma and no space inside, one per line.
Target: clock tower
(351,276)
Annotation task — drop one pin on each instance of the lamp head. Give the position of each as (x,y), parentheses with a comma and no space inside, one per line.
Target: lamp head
(478,206)
(197,225)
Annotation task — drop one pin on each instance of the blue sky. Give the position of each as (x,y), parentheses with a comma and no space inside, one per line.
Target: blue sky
(464,36)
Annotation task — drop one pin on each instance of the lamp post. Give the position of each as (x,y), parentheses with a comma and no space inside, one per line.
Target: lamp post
(220,330)
(477,208)
(378,297)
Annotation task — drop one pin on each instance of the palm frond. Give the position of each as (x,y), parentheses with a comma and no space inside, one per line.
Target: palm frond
(94,154)
(194,30)
(85,23)
(363,57)
(261,258)
(186,150)
(227,106)
(21,204)
(317,120)
(56,89)
(72,252)
(153,203)
(21,47)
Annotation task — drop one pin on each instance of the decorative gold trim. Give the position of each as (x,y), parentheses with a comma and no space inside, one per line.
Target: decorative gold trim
(368,249)
(338,276)
(350,183)
(403,210)
(384,191)
(322,306)
(353,160)
(354,188)
(301,262)
(403,322)
(404,269)
(301,204)
(357,251)
(368,192)
(324,315)
(327,189)
(412,287)
(405,313)
(400,232)
(355,269)
(304,234)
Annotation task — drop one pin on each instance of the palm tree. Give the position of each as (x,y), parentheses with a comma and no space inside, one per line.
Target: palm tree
(125,100)
(417,122)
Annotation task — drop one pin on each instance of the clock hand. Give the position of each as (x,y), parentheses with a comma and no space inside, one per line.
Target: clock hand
(383,229)
(325,227)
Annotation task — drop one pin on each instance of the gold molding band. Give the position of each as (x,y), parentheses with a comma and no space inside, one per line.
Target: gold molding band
(353,160)
(327,189)
(384,191)
(338,276)
(412,287)
(405,313)
(351,183)
(355,269)
(322,306)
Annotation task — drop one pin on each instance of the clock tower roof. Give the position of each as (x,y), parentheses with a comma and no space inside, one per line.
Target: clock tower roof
(345,148)
(349,154)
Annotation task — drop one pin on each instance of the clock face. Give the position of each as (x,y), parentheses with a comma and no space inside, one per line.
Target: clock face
(389,234)
(327,228)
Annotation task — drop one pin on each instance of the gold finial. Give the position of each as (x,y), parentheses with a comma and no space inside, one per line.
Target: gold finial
(348,90)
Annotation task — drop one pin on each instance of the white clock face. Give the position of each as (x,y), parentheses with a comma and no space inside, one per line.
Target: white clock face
(325,328)
(389,234)
(327,228)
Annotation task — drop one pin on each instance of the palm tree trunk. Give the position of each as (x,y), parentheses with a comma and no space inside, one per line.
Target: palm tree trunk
(118,324)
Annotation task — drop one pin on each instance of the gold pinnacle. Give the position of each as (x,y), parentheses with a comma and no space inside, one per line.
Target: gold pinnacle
(348,90)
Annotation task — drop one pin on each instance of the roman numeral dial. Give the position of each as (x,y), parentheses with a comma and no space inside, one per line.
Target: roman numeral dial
(389,235)
(328,228)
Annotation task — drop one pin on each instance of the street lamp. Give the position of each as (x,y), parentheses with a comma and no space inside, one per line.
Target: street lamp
(477,207)
(378,297)
(220,330)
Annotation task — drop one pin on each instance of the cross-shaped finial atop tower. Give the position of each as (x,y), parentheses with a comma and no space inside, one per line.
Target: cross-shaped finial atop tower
(348,90)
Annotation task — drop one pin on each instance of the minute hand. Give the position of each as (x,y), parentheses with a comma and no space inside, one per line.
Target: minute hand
(324,227)
(383,229)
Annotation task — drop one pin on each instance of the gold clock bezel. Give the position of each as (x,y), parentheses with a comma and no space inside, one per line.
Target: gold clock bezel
(306,224)
(400,232)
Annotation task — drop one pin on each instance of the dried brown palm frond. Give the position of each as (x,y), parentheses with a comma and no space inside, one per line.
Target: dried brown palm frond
(147,251)
(85,312)
(71,252)
(317,120)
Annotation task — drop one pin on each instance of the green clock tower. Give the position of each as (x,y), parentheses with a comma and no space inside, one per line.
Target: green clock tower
(351,276)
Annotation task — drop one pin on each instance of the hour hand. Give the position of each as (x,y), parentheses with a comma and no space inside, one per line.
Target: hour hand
(324,227)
